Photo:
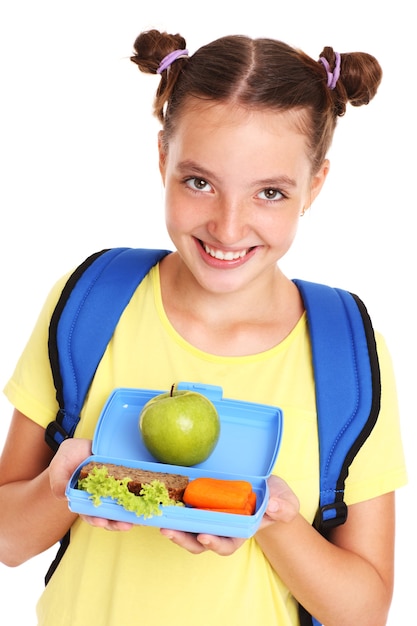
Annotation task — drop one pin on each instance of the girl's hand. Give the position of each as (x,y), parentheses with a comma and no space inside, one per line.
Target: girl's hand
(283,505)
(69,455)
(107,524)
(223,546)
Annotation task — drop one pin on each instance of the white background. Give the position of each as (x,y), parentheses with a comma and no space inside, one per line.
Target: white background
(79,173)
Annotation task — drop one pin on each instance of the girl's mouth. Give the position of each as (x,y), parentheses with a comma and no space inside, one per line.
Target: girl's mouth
(225,255)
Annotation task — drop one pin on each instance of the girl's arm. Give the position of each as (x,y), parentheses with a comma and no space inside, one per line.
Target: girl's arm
(342,581)
(32,519)
(347,580)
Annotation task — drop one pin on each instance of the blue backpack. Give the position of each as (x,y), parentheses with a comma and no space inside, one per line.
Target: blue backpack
(345,363)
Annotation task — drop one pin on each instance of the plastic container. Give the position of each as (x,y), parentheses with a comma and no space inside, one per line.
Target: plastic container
(247,449)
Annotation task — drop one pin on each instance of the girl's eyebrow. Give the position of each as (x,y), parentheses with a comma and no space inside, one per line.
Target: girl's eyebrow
(191,167)
(281,181)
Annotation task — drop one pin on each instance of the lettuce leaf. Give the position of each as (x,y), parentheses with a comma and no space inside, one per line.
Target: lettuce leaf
(100,485)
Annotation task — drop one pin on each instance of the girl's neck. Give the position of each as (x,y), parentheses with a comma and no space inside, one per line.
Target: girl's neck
(248,321)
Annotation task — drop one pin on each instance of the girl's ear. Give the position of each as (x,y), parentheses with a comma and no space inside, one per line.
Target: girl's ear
(318,179)
(162,155)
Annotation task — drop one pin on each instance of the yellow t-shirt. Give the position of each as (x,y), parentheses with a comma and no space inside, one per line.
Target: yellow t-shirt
(140,577)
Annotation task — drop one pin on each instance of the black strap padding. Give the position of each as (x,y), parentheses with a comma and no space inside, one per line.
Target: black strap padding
(61,551)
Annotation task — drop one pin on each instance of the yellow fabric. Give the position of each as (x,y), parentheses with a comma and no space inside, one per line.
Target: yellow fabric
(139,577)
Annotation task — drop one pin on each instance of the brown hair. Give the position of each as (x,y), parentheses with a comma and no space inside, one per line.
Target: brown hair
(258,73)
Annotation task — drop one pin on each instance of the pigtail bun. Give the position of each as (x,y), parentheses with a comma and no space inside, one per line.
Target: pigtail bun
(360,77)
(150,48)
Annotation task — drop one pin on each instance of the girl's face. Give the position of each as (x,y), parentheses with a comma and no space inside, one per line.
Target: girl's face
(236,184)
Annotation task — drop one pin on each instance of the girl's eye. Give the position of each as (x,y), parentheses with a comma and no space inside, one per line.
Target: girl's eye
(198,184)
(270,194)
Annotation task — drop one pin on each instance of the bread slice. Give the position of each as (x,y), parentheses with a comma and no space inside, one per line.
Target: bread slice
(175,483)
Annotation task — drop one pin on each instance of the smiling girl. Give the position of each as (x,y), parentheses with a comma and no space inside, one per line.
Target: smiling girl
(246,127)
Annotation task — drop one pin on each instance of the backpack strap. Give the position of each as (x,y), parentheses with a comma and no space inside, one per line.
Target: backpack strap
(348,388)
(83,323)
(348,392)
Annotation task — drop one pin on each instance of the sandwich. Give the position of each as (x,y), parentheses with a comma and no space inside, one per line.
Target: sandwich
(137,490)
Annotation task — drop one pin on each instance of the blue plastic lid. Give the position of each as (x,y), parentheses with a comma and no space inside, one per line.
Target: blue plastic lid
(248,445)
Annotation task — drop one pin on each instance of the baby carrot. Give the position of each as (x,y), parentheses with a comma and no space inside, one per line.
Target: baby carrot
(214,493)
(248,509)
(252,502)
(233,511)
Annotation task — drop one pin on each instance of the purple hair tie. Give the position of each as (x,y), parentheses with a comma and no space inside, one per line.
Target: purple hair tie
(332,77)
(170,58)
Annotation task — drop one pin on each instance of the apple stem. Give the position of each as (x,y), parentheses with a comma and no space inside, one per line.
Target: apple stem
(172,390)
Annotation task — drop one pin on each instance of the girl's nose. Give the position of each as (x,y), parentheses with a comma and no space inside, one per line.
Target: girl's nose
(228,224)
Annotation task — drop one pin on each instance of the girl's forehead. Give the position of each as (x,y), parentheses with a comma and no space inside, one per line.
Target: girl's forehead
(212,115)
(236,113)
(227,127)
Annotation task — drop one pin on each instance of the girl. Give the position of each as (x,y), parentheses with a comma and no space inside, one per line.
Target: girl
(246,127)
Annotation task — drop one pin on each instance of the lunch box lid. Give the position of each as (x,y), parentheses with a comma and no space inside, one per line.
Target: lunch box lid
(248,445)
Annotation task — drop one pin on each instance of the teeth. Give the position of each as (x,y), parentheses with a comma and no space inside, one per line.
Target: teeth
(224,256)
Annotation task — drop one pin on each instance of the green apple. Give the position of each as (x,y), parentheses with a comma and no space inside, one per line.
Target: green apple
(180,427)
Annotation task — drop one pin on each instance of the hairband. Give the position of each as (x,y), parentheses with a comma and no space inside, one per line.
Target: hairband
(170,58)
(332,77)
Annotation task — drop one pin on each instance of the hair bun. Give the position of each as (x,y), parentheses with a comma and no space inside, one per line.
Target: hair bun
(152,46)
(360,77)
